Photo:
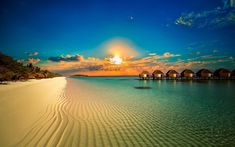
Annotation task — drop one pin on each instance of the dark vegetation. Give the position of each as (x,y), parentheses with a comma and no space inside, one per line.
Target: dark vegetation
(11,70)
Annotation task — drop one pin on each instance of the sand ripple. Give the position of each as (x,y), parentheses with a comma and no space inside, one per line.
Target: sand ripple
(77,120)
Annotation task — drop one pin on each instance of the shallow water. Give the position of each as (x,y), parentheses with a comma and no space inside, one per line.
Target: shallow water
(124,111)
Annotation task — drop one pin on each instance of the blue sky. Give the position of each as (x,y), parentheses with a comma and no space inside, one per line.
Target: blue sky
(189,28)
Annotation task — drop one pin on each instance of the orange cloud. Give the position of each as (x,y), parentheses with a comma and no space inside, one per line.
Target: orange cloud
(33,61)
(93,66)
(100,67)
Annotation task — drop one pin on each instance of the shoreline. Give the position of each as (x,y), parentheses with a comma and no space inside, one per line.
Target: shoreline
(20,83)
(25,80)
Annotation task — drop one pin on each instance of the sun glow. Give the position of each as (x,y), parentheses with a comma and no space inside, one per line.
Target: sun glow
(120,47)
(116,60)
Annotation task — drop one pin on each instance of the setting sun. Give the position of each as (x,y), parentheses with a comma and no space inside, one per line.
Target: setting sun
(116,60)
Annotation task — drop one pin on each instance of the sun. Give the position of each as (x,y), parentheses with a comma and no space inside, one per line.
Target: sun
(116,60)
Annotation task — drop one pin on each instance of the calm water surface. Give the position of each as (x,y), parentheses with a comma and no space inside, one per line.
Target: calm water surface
(167,112)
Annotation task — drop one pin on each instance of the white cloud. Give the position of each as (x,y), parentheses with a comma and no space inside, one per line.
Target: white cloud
(32,54)
(217,18)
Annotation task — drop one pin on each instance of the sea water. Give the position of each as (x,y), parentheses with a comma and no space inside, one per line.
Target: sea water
(162,112)
(125,111)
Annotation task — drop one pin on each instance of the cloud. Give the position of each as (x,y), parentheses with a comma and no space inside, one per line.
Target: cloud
(152,54)
(33,61)
(20,60)
(168,55)
(208,58)
(228,3)
(68,58)
(32,54)
(198,53)
(29,60)
(94,66)
(217,18)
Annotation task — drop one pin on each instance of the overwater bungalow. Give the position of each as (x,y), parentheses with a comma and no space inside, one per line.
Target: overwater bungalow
(204,74)
(187,74)
(222,73)
(145,75)
(233,74)
(172,74)
(157,74)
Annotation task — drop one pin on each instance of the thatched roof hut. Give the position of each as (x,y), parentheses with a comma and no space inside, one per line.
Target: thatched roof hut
(187,73)
(172,74)
(157,74)
(144,75)
(222,73)
(204,73)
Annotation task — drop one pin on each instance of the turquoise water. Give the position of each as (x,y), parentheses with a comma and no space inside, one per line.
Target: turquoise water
(127,112)
(168,112)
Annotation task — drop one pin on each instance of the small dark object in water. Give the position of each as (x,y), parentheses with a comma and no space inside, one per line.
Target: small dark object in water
(142,87)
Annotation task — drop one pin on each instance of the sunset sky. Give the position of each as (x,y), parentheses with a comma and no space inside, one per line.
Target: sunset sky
(121,37)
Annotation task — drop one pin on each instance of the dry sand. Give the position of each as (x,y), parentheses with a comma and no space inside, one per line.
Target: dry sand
(22,103)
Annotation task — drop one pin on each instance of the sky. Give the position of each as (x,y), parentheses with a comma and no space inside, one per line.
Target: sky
(119,37)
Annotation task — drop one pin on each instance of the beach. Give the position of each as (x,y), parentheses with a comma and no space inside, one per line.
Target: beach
(23,103)
(111,111)
(117,73)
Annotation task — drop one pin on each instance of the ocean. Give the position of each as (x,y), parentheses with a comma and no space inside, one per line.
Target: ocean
(125,111)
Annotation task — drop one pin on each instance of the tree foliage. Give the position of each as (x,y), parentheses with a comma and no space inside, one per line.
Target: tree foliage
(10,70)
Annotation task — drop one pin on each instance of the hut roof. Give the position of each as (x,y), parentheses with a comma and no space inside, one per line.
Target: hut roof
(187,71)
(144,72)
(204,71)
(158,72)
(221,70)
(172,72)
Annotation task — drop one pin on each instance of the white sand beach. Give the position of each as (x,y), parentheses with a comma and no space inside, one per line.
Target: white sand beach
(22,103)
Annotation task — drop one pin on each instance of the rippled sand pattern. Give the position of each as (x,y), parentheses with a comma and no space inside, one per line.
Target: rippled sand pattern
(84,117)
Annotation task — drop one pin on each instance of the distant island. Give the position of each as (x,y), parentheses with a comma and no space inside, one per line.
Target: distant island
(11,70)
